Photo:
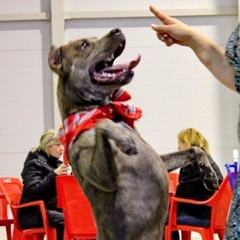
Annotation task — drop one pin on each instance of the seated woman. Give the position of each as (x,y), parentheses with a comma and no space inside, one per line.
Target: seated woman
(40,169)
(191,185)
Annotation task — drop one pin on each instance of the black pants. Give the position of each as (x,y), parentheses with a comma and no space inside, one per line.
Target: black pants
(56,220)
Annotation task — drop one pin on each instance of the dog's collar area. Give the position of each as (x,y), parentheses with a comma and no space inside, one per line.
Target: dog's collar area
(94,103)
(79,122)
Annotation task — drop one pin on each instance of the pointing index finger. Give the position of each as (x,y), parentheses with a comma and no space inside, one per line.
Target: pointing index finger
(160,15)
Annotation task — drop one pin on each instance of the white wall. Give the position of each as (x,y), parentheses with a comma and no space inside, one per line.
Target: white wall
(174,90)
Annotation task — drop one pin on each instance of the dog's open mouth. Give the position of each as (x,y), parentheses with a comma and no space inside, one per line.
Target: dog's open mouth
(105,73)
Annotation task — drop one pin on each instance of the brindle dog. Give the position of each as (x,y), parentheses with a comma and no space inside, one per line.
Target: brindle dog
(125,180)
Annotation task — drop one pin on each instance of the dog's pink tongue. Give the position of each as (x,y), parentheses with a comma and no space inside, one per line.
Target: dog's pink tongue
(134,63)
(120,67)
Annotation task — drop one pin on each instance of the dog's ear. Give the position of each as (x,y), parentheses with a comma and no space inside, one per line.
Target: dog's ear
(55,59)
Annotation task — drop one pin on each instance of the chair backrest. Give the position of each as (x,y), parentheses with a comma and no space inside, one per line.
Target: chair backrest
(12,189)
(77,209)
(3,207)
(221,203)
(5,221)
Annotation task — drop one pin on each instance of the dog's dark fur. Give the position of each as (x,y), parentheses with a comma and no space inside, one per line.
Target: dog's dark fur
(124,178)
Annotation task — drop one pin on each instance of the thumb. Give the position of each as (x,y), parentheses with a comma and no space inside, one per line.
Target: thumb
(160,28)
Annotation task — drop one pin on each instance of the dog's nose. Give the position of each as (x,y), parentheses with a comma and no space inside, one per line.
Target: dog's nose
(115,31)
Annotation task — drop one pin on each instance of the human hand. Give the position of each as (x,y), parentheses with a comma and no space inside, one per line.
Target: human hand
(172,31)
(62,170)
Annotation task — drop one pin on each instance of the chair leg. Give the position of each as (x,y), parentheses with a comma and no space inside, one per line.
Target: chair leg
(168,233)
(66,236)
(186,235)
(207,235)
(51,234)
(221,234)
(9,232)
(39,236)
(17,235)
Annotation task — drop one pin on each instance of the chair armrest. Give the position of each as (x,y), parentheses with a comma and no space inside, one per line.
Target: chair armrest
(208,202)
(38,203)
(29,204)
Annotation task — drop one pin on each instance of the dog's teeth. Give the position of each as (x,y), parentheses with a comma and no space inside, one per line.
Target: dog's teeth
(104,74)
(110,58)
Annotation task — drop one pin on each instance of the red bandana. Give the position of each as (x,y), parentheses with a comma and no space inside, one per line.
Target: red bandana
(82,121)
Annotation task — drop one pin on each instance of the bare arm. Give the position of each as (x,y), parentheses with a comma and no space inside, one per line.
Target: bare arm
(173,31)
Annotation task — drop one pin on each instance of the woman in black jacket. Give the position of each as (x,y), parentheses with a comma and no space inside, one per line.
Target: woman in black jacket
(191,184)
(41,167)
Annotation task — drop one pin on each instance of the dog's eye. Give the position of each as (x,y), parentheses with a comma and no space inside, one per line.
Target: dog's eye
(83,45)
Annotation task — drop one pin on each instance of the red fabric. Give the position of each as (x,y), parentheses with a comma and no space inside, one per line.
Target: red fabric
(85,120)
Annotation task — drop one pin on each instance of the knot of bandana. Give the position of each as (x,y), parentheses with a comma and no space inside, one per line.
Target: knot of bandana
(79,122)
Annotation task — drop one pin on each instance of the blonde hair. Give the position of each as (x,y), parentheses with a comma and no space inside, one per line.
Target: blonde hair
(192,137)
(48,138)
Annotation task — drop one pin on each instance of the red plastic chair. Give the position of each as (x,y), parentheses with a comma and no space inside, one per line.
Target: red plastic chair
(79,218)
(12,189)
(4,220)
(220,203)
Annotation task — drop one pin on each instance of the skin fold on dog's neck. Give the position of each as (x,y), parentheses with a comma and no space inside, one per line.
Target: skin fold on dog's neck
(67,107)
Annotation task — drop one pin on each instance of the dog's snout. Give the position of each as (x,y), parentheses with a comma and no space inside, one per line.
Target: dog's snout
(115,31)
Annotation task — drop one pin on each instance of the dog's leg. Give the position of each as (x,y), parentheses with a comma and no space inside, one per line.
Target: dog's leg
(105,149)
(122,135)
(91,168)
(194,155)
(178,159)
(95,164)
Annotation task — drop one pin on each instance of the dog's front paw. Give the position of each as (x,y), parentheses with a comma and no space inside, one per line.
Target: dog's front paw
(199,157)
(210,179)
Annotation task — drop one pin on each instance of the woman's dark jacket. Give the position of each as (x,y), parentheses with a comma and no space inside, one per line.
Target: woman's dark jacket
(39,181)
(191,186)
